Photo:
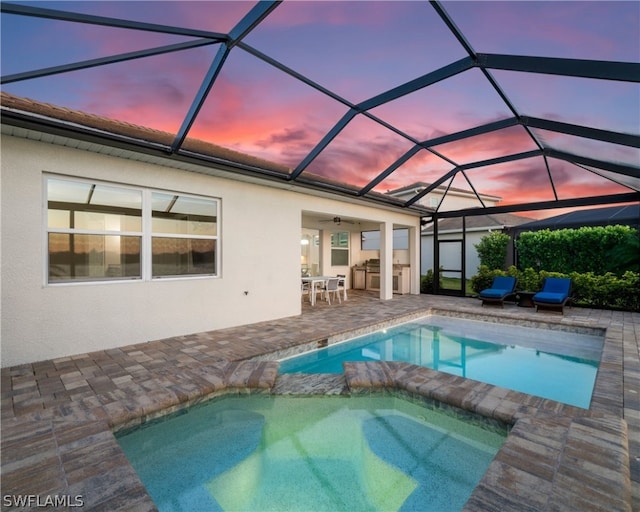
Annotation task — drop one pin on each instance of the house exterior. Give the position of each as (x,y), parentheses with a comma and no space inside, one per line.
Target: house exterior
(476,228)
(626,215)
(104,245)
(443,198)
(450,231)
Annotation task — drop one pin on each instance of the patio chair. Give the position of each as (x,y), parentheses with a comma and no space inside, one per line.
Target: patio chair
(555,293)
(305,289)
(342,285)
(331,286)
(502,288)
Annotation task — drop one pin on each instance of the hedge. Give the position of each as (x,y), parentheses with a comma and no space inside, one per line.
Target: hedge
(606,291)
(598,249)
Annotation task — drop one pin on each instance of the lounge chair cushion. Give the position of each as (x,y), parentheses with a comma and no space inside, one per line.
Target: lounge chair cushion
(501,287)
(550,297)
(555,291)
(494,293)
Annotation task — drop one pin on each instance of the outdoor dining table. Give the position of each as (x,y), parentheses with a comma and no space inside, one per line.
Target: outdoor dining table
(321,280)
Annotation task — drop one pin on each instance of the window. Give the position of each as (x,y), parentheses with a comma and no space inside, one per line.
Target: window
(340,249)
(99,231)
(94,231)
(184,235)
(371,239)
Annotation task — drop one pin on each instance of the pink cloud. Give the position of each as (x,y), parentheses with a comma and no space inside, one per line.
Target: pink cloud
(495,144)
(141,92)
(257,110)
(528,181)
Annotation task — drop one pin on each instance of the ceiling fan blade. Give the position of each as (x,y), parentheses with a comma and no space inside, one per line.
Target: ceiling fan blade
(337,220)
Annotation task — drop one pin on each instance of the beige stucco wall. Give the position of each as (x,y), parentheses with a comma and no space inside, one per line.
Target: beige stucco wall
(259,244)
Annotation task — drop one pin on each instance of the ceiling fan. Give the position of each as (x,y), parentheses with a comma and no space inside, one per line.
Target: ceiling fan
(337,221)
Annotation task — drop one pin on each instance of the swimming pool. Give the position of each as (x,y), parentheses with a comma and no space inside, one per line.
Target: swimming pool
(552,364)
(310,453)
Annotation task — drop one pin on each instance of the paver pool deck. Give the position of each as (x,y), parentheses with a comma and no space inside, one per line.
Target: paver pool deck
(58,416)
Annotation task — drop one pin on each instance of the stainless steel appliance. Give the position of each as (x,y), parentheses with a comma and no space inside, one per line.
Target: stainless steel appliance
(359,278)
(401,277)
(373,274)
(373,266)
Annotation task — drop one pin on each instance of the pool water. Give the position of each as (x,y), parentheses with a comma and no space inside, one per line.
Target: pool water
(260,453)
(557,365)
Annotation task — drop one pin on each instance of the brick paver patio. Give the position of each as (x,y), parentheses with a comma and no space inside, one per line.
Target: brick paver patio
(58,416)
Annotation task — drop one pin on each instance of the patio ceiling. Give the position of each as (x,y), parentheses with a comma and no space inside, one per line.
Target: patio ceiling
(535,102)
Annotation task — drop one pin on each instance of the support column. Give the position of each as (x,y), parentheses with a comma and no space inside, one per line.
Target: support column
(386,260)
(415,242)
(325,251)
(436,257)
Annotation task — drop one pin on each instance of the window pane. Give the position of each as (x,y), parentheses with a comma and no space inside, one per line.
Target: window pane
(339,257)
(371,239)
(183,256)
(400,239)
(107,222)
(59,218)
(75,205)
(340,239)
(116,197)
(68,191)
(80,257)
(177,214)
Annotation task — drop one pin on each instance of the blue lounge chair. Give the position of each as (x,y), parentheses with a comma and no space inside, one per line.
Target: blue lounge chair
(501,288)
(554,295)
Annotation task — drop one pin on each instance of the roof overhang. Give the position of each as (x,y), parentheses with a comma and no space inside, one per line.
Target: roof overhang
(27,125)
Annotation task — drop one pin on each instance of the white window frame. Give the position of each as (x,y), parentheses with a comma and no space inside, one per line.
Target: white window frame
(150,235)
(346,249)
(146,235)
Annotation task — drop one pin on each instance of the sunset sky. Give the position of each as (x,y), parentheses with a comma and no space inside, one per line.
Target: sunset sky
(356,49)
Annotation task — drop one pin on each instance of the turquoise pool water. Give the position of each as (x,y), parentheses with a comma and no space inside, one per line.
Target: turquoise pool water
(258,453)
(558,365)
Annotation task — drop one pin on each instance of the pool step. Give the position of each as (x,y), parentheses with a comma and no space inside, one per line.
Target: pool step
(310,384)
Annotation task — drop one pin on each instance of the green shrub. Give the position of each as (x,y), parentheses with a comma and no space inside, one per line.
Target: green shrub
(484,278)
(427,282)
(605,291)
(529,280)
(626,255)
(492,249)
(599,249)
(628,296)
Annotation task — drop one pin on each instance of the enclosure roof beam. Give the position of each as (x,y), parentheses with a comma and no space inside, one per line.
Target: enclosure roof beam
(583,68)
(242,28)
(544,205)
(92,63)
(625,139)
(592,162)
(54,14)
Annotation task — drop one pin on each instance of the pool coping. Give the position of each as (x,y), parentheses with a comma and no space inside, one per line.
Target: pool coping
(556,456)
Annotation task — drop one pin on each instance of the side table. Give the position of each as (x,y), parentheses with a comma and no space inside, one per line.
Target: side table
(525,299)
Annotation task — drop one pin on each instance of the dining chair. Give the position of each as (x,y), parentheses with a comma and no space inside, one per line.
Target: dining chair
(342,284)
(305,289)
(331,287)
